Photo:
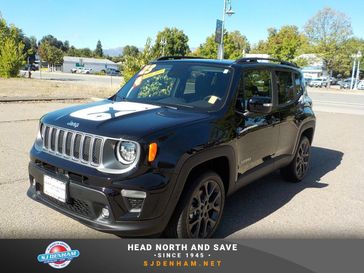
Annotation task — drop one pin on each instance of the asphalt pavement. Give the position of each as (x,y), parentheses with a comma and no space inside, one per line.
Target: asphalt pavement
(328,203)
(345,102)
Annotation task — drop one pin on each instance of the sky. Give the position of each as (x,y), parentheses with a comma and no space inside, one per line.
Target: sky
(131,22)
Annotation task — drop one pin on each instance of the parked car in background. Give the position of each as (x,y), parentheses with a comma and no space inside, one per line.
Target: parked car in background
(307,81)
(77,70)
(361,85)
(345,84)
(319,82)
(333,81)
(81,70)
(86,71)
(111,71)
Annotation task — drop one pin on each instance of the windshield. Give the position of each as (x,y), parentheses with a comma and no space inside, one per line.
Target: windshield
(179,84)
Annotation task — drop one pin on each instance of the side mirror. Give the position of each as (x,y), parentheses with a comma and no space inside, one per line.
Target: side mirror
(260,105)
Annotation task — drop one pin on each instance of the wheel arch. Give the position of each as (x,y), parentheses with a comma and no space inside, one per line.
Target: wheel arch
(220,159)
(307,129)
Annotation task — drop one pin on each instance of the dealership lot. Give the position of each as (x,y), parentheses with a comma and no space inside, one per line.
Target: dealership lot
(328,203)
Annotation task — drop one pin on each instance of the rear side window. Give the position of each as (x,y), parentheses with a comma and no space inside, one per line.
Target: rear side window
(285,86)
(298,83)
(257,83)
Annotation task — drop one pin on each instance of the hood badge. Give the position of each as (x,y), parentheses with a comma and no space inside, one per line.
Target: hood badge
(73,124)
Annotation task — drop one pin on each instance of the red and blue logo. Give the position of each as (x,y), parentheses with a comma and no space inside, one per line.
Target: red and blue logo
(58,255)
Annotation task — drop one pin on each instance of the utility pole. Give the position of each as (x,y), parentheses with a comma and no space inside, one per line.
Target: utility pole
(353,72)
(229,12)
(358,55)
(356,65)
(163,44)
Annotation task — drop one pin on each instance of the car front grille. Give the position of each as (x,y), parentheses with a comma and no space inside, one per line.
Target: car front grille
(77,146)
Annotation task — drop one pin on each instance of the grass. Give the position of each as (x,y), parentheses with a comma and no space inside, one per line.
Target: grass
(35,88)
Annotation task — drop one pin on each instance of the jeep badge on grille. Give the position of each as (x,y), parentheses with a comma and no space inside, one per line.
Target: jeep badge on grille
(73,124)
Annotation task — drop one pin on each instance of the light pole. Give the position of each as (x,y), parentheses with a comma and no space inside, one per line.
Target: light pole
(227,11)
(163,44)
(358,56)
(353,71)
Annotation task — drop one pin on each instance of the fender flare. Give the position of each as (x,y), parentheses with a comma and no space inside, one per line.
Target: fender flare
(187,163)
(310,124)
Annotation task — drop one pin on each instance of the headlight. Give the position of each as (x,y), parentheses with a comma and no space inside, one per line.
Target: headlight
(127,152)
(41,130)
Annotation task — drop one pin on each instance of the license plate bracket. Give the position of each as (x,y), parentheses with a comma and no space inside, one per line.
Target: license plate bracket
(55,188)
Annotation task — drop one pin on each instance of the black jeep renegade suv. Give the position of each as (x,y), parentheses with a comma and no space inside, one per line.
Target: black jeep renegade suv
(162,154)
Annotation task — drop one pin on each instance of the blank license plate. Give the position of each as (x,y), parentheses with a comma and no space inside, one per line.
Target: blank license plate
(54,188)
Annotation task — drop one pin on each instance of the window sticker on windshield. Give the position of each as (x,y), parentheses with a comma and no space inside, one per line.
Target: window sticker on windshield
(155,73)
(225,71)
(147,69)
(212,99)
(138,81)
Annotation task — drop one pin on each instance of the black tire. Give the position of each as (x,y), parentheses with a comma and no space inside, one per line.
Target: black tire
(299,166)
(199,211)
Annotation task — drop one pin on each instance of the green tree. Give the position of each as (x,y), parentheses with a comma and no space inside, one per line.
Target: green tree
(328,31)
(130,50)
(53,41)
(284,44)
(98,51)
(349,48)
(85,52)
(261,47)
(12,55)
(51,54)
(170,42)
(132,64)
(33,49)
(66,46)
(235,44)
(72,51)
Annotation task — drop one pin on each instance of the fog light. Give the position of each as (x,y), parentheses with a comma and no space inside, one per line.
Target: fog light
(105,213)
(134,199)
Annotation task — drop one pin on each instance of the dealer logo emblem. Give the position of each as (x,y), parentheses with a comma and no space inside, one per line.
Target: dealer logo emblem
(58,255)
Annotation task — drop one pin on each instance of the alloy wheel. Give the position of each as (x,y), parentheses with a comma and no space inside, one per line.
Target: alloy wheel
(204,209)
(302,159)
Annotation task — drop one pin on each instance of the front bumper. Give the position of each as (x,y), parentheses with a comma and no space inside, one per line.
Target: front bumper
(86,201)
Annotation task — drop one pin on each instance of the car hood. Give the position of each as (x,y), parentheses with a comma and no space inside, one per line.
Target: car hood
(120,119)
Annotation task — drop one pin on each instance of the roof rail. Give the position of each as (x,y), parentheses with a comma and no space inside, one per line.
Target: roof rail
(255,60)
(165,58)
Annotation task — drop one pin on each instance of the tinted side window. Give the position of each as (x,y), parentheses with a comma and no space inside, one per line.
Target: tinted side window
(298,83)
(257,83)
(286,91)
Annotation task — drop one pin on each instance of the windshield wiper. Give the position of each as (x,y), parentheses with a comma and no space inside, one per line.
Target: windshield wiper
(172,106)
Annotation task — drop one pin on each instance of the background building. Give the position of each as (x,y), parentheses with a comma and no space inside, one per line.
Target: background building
(315,68)
(97,65)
